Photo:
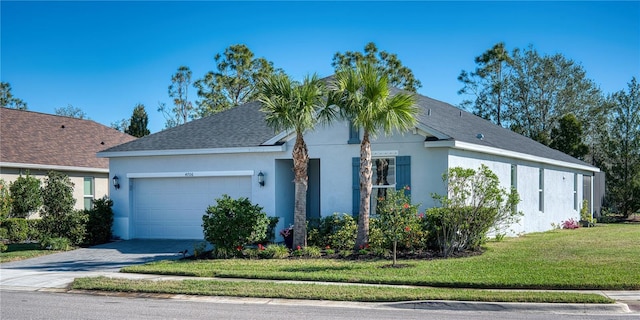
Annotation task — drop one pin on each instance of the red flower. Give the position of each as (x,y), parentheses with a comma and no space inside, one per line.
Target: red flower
(366,246)
(328,247)
(421,215)
(407,228)
(260,246)
(406,206)
(298,248)
(239,248)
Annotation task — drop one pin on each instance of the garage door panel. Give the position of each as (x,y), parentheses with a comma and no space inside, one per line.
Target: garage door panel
(172,208)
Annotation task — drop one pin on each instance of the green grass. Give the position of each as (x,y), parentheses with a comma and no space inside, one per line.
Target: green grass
(21,251)
(605,257)
(326,292)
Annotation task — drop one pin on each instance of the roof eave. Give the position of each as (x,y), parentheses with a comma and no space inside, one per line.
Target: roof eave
(182,152)
(506,153)
(36,166)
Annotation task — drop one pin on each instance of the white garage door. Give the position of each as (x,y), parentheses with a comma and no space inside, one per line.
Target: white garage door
(172,208)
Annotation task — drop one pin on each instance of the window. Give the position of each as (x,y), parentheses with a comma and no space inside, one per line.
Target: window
(383,178)
(575,191)
(88,192)
(541,190)
(354,134)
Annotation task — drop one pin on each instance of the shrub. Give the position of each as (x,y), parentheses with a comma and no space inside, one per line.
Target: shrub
(57,243)
(25,195)
(231,224)
(585,215)
(3,247)
(271,230)
(337,231)
(275,251)
(57,195)
(71,226)
(474,204)
(5,201)
(34,229)
(100,222)
(17,229)
(4,233)
(396,218)
(311,252)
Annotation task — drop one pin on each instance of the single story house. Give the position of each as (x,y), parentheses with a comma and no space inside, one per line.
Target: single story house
(169,178)
(37,143)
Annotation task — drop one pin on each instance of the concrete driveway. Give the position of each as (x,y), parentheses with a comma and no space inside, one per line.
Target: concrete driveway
(58,270)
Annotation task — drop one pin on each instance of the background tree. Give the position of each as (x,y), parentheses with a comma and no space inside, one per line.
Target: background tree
(121,125)
(138,123)
(234,82)
(620,143)
(295,106)
(567,137)
(71,111)
(25,192)
(7,100)
(487,83)
(183,110)
(363,96)
(544,88)
(387,63)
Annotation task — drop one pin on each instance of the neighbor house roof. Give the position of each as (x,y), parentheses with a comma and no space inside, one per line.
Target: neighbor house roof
(31,138)
(244,127)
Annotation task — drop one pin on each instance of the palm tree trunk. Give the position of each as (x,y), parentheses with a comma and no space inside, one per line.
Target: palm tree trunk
(300,164)
(365,192)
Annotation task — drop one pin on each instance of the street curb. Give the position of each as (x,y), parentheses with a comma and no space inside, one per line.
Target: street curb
(580,308)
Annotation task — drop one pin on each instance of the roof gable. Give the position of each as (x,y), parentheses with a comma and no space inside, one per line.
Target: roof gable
(28,137)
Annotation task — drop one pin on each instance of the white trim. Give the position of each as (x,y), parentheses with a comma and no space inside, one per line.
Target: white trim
(426,131)
(189,174)
(505,153)
(384,153)
(51,167)
(282,135)
(183,152)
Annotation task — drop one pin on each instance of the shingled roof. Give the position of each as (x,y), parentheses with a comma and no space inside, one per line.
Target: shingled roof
(244,126)
(49,140)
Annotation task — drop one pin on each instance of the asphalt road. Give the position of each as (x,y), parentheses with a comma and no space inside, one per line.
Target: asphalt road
(51,305)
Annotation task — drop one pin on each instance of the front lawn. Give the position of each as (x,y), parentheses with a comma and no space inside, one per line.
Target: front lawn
(21,251)
(604,257)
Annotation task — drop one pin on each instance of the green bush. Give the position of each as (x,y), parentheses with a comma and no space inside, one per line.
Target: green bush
(100,222)
(4,233)
(34,229)
(271,230)
(57,195)
(473,205)
(5,201)
(275,251)
(17,229)
(71,226)
(26,196)
(232,224)
(338,231)
(57,243)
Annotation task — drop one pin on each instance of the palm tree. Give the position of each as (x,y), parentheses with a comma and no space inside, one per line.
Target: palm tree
(290,105)
(363,96)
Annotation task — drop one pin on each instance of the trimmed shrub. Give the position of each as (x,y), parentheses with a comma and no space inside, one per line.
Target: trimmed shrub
(34,229)
(26,196)
(4,233)
(71,226)
(5,200)
(100,222)
(338,231)
(232,224)
(17,229)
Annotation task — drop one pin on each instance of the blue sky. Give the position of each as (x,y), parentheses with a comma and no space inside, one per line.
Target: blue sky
(105,57)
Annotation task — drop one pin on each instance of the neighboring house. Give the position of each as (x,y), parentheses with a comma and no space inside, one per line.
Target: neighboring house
(37,143)
(169,178)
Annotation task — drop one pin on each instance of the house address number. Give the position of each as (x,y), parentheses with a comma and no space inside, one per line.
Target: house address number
(188,174)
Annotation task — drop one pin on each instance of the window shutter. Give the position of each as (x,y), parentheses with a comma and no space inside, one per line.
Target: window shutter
(355,164)
(403,172)
(354,134)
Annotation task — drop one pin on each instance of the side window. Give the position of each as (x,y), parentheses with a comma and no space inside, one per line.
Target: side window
(88,192)
(541,190)
(384,178)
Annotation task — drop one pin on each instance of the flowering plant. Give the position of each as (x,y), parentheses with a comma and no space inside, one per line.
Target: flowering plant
(570,224)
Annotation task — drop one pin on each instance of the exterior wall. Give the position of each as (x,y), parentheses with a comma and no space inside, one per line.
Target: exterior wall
(101,182)
(558,189)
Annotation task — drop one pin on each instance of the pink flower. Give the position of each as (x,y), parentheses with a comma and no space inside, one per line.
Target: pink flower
(298,248)
(406,206)
(407,228)
(407,188)
(421,215)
